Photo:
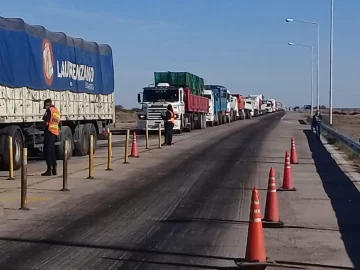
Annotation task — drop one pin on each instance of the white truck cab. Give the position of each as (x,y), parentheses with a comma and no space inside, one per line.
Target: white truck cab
(273,104)
(154,102)
(210,116)
(250,106)
(235,107)
(228,103)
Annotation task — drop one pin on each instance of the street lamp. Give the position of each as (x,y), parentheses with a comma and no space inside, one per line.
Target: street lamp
(331,60)
(318,55)
(312,71)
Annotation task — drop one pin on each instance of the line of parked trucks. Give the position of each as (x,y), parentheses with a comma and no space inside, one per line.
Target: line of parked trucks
(196,104)
(37,64)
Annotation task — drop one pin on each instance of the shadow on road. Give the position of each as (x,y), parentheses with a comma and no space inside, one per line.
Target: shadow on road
(343,194)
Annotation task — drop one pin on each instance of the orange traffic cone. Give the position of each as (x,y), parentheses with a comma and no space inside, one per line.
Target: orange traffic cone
(255,248)
(272,217)
(287,178)
(293,154)
(134,151)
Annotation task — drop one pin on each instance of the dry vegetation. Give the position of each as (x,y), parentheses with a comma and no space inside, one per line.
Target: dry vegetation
(346,121)
(125,115)
(125,118)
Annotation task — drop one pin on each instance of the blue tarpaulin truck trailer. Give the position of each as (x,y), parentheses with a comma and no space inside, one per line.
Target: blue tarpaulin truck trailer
(36,64)
(220,103)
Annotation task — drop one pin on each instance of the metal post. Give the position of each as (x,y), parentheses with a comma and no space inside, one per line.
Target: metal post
(23,202)
(146,137)
(109,152)
(159,134)
(65,167)
(331,61)
(318,66)
(318,55)
(11,159)
(312,82)
(91,158)
(126,158)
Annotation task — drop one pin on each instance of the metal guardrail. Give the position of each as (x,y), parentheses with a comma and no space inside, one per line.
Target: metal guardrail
(334,134)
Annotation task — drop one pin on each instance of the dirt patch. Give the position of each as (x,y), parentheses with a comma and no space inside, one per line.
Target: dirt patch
(346,121)
(125,115)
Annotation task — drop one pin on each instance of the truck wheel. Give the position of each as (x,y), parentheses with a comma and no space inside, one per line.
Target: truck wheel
(94,133)
(18,144)
(65,134)
(82,144)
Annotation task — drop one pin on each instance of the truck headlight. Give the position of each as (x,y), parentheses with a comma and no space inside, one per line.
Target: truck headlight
(142,116)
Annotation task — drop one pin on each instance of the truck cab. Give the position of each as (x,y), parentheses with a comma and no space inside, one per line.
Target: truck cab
(154,102)
(273,104)
(210,116)
(229,112)
(249,107)
(235,108)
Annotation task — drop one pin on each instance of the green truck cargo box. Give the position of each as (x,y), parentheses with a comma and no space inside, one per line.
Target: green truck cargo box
(181,79)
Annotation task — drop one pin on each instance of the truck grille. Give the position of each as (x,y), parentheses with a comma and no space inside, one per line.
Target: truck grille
(155,114)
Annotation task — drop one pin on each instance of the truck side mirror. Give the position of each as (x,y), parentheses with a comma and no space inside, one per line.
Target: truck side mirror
(181,96)
(139,98)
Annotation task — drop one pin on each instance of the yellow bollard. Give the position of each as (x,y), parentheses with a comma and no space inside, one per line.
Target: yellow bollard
(24,181)
(126,158)
(109,161)
(159,126)
(146,137)
(91,158)
(65,167)
(108,132)
(11,159)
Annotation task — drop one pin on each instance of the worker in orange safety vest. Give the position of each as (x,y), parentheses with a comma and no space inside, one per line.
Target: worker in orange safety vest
(169,119)
(52,120)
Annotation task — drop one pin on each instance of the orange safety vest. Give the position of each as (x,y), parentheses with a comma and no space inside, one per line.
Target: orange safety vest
(53,124)
(172,119)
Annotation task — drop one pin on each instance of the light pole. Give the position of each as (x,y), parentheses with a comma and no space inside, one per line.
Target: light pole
(312,72)
(331,60)
(318,55)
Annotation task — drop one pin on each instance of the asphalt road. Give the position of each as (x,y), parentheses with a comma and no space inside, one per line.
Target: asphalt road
(186,215)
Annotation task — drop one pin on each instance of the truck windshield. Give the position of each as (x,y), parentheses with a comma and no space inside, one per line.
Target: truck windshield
(207,96)
(154,95)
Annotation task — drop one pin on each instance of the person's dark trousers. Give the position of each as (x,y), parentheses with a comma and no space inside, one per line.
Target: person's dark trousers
(318,129)
(165,134)
(169,127)
(50,153)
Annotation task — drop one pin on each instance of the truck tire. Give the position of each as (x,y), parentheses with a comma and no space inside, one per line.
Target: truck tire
(81,146)
(18,144)
(65,134)
(93,132)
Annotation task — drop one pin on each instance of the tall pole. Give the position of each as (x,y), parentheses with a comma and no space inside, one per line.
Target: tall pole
(312,81)
(312,73)
(318,66)
(318,54)
(331,61)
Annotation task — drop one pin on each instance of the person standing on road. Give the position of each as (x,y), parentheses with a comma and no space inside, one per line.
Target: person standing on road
(169,119)
(52,120)
(316,123)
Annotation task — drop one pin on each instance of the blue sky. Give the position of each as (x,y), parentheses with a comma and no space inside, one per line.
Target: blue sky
(241,44)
